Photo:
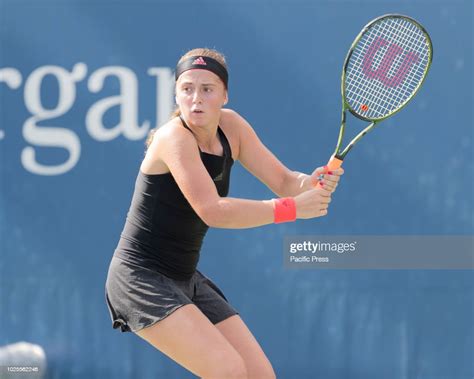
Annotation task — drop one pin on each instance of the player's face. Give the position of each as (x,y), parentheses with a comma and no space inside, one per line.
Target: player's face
(200,95)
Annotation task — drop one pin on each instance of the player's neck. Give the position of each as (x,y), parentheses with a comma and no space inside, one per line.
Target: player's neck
(207,138)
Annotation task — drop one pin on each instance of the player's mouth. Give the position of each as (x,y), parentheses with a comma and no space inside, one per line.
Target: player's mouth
(197,111)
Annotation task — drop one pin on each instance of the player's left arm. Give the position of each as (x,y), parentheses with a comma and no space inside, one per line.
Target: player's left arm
(265,166)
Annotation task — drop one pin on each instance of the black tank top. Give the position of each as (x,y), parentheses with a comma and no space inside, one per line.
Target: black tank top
(162,231)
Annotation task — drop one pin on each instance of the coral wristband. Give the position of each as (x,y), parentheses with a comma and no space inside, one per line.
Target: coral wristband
(284,210)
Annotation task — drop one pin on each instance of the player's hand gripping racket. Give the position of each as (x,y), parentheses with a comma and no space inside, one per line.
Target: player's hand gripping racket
(384,69)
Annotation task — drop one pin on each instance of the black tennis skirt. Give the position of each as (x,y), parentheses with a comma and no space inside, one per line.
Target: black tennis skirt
(138,297)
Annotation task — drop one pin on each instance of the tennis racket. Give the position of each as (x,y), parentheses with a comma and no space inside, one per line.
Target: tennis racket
(383,70)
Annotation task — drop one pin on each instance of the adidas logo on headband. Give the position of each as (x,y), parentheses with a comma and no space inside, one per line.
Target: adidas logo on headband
(200,61)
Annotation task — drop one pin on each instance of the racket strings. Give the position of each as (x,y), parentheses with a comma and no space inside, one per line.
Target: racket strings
(387,62)
(386,67)
(387,99)
(382,61)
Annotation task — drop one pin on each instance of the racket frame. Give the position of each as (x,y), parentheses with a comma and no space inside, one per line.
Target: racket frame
(340,155)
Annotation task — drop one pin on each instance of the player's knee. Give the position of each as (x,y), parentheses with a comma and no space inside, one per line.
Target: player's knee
(230,367)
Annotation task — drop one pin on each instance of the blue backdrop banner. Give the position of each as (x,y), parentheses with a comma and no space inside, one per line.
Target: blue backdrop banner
(83,82)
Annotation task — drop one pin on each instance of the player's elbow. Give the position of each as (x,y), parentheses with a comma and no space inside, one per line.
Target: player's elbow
(215,214)
(285,185)
(207,216)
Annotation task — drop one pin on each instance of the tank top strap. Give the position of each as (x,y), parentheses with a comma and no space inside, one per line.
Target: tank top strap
(225,143)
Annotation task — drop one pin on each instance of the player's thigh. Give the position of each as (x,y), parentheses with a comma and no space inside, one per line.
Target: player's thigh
(190,339)
(242,339)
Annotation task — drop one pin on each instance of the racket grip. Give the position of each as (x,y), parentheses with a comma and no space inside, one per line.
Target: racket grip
(334,163)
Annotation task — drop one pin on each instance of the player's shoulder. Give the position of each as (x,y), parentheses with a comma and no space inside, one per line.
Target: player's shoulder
(233,120)
(173,133)
(237,128)
(230,116)
(174,129)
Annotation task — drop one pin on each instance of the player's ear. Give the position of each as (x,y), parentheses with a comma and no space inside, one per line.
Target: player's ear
(176,93)
(226,100)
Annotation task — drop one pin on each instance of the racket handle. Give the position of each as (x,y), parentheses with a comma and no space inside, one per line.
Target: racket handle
(334,163)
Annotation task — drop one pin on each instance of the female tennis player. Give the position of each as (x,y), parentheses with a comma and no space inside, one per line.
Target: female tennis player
(153,287)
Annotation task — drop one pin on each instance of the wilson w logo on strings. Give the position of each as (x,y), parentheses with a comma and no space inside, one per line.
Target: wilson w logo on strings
(386,62)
